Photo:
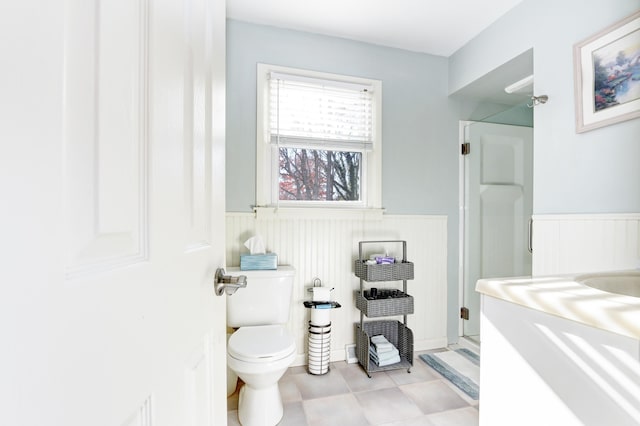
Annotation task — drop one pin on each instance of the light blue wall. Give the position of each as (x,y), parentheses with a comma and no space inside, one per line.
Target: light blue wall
(419,121)
(593,172)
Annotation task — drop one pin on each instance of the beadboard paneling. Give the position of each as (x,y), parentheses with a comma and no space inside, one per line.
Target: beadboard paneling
(585,243)
(325,245)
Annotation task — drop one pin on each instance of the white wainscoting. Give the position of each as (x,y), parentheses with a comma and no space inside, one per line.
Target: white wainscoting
(585,243)
(324,244)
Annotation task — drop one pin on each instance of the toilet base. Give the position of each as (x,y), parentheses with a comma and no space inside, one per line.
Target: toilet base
(260,407)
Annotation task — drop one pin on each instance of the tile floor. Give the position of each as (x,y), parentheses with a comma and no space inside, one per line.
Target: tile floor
(346,396)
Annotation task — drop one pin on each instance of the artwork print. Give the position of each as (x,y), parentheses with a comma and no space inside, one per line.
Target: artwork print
(607,75)
(616,69)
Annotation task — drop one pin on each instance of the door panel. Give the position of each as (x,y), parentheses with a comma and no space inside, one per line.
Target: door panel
(498,204)
(106,140)
(502,236)
(117,219)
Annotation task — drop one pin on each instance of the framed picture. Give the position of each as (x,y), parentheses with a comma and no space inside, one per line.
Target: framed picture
(607,75)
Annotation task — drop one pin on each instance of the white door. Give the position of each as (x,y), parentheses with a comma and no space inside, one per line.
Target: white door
(112,185)
(498,203)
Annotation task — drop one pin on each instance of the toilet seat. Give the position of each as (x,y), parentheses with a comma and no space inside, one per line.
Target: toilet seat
(261,344)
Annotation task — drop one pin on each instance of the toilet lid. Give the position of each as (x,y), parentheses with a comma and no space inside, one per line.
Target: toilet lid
(261,343)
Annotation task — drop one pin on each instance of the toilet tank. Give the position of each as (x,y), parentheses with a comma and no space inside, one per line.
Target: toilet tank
(265,300)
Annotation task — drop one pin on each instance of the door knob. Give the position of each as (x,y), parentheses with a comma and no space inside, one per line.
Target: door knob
(227,283)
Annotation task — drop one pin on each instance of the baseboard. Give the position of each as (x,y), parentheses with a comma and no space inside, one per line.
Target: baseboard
(428,344)
(464,342)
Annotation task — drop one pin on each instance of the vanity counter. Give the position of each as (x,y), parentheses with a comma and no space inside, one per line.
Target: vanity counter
(571,297)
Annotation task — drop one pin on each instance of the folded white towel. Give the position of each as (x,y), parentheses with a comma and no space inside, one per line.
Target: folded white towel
(383,356)
(381,343)
(382,360)
(384,347)
(390,361)
(379,338)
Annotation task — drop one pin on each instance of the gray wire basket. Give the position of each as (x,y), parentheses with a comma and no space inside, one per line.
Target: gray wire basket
(398,334)
(389,272)
(402,305)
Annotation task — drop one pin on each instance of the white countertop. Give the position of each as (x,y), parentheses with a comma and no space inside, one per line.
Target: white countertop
(566,297)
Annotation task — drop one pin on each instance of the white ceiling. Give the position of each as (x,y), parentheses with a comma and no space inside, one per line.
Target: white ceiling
(437,27)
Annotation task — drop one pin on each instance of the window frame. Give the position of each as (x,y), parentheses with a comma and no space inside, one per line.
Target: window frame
(267,154)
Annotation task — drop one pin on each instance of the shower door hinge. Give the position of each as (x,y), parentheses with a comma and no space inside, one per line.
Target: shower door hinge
(464,313)
(465,148)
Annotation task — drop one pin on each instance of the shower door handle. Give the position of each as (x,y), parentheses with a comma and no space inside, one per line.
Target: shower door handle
(530,236)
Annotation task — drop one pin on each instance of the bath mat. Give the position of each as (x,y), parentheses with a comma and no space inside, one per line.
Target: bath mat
(460,367)
(470,355)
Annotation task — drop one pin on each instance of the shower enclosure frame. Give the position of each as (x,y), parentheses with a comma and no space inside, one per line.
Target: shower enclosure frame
(463,217)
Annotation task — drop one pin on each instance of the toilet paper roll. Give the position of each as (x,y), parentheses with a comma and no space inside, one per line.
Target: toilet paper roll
(321,294)
(318,368)
(319,347)
(320,329)
(320,338)
(321,317)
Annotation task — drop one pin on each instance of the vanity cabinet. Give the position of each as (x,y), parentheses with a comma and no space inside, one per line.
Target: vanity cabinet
(386,303)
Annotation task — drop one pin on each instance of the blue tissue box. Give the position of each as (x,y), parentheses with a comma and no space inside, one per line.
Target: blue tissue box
(250,262)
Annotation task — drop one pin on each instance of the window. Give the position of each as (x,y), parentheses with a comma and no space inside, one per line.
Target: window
(318,139)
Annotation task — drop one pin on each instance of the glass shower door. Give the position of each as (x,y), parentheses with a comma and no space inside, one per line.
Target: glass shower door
(498,181)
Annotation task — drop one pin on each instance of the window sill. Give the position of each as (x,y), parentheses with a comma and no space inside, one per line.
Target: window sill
(318,212)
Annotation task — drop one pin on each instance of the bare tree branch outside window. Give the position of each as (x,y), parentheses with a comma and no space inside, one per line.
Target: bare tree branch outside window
(319,175)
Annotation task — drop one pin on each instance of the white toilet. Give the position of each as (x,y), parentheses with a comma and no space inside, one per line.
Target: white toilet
(261,349)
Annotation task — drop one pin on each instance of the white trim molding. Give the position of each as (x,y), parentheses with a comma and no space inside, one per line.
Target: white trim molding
(267,165)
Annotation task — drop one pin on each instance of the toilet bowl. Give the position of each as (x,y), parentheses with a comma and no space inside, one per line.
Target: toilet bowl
(260,355)
(261,349)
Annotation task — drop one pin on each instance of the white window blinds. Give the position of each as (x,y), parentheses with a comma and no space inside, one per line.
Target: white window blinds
(320,114)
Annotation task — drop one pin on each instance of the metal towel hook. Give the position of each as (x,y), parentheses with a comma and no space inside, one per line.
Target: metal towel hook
(537,100)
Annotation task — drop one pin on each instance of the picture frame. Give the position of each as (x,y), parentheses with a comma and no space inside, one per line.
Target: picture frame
(607,75)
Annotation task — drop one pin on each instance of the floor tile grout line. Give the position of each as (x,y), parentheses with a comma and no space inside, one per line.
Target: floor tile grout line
(351,387)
